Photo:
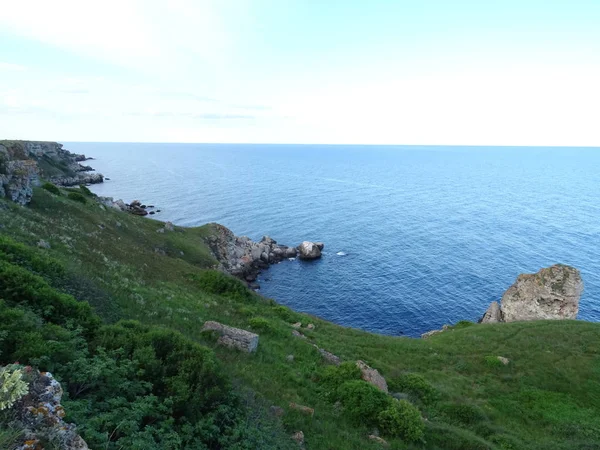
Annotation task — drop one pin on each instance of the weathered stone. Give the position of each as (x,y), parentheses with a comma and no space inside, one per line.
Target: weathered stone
(309,250)
(503,360)
(551,293)
(310,326)
(298,437)
(297,334)
(297,325)
(330,357)
(289,358)
(43,244)
(39,415)
(233,337)
(378,440)
(277,411)
(303,409)
(431,333)
(493,314)
(169,226)
(320,245)
(372,376)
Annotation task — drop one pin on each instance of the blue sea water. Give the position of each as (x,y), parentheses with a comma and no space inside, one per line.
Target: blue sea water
(431,235)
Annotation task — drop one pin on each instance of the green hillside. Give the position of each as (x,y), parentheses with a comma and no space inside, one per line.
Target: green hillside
(161,383)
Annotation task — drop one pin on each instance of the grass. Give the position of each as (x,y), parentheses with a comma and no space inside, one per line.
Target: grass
(547,397)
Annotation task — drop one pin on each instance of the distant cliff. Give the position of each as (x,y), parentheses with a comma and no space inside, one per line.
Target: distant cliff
(24,163)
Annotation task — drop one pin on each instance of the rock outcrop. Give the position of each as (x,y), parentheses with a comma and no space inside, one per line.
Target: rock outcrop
(242,257)
(24,163)
(372,376)
(39,415)
(310,250)
(552,293)
(233,337)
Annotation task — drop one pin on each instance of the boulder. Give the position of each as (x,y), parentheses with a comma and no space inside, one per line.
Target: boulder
(233,337)
(372,376)
(309,250)
(169,226)
(503,360)
(43,244)
(378,440)
(303,409)
(320,245)
(493,314)
(298,437)
(329,357)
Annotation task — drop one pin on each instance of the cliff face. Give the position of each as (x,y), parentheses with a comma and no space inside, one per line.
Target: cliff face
(24,163)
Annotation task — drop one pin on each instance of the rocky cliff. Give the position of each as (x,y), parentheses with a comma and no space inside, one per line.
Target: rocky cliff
(24,163)
(551,293)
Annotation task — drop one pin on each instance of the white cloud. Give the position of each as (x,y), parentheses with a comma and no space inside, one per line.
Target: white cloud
(10,67)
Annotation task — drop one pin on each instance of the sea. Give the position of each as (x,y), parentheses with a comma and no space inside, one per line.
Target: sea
(415,236)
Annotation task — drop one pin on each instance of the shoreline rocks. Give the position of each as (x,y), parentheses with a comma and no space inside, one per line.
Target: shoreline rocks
(551,294)
(310,250)
(244,258)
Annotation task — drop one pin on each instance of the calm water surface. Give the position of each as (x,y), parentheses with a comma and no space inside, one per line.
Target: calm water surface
(431,235)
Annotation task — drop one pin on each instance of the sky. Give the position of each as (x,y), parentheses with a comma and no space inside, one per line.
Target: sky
(429,72)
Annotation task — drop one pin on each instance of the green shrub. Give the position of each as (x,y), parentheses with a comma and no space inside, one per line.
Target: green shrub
(85,191)
(493,361)
(401,419)
(286,313)
(416,386)
(333,377)
(260,324)
(362,402)
(12,386)
(52,188)
(218,283)
(461,413)
(77,197)
(19,287)
(453,438)
(463,324)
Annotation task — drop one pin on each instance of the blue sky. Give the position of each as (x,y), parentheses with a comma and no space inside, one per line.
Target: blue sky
(366,72)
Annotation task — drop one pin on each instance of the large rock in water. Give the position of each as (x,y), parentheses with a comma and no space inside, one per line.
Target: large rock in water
(551,293)
(309,250)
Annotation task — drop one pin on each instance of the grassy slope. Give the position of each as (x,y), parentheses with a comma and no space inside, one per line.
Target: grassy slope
(548,397)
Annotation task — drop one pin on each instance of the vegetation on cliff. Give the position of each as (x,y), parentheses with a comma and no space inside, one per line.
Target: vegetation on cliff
(114,309)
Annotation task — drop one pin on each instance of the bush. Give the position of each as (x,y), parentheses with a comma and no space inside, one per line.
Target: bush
(493,361)
(260,324)
(285,313)
(85,191)
(461,413)
(19,287)
(218,283)
(416,386)
(362,402)
(463,324)
(334,376)
(453,438)
(52,188)
(77,197)
(12,386)
(402,420)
